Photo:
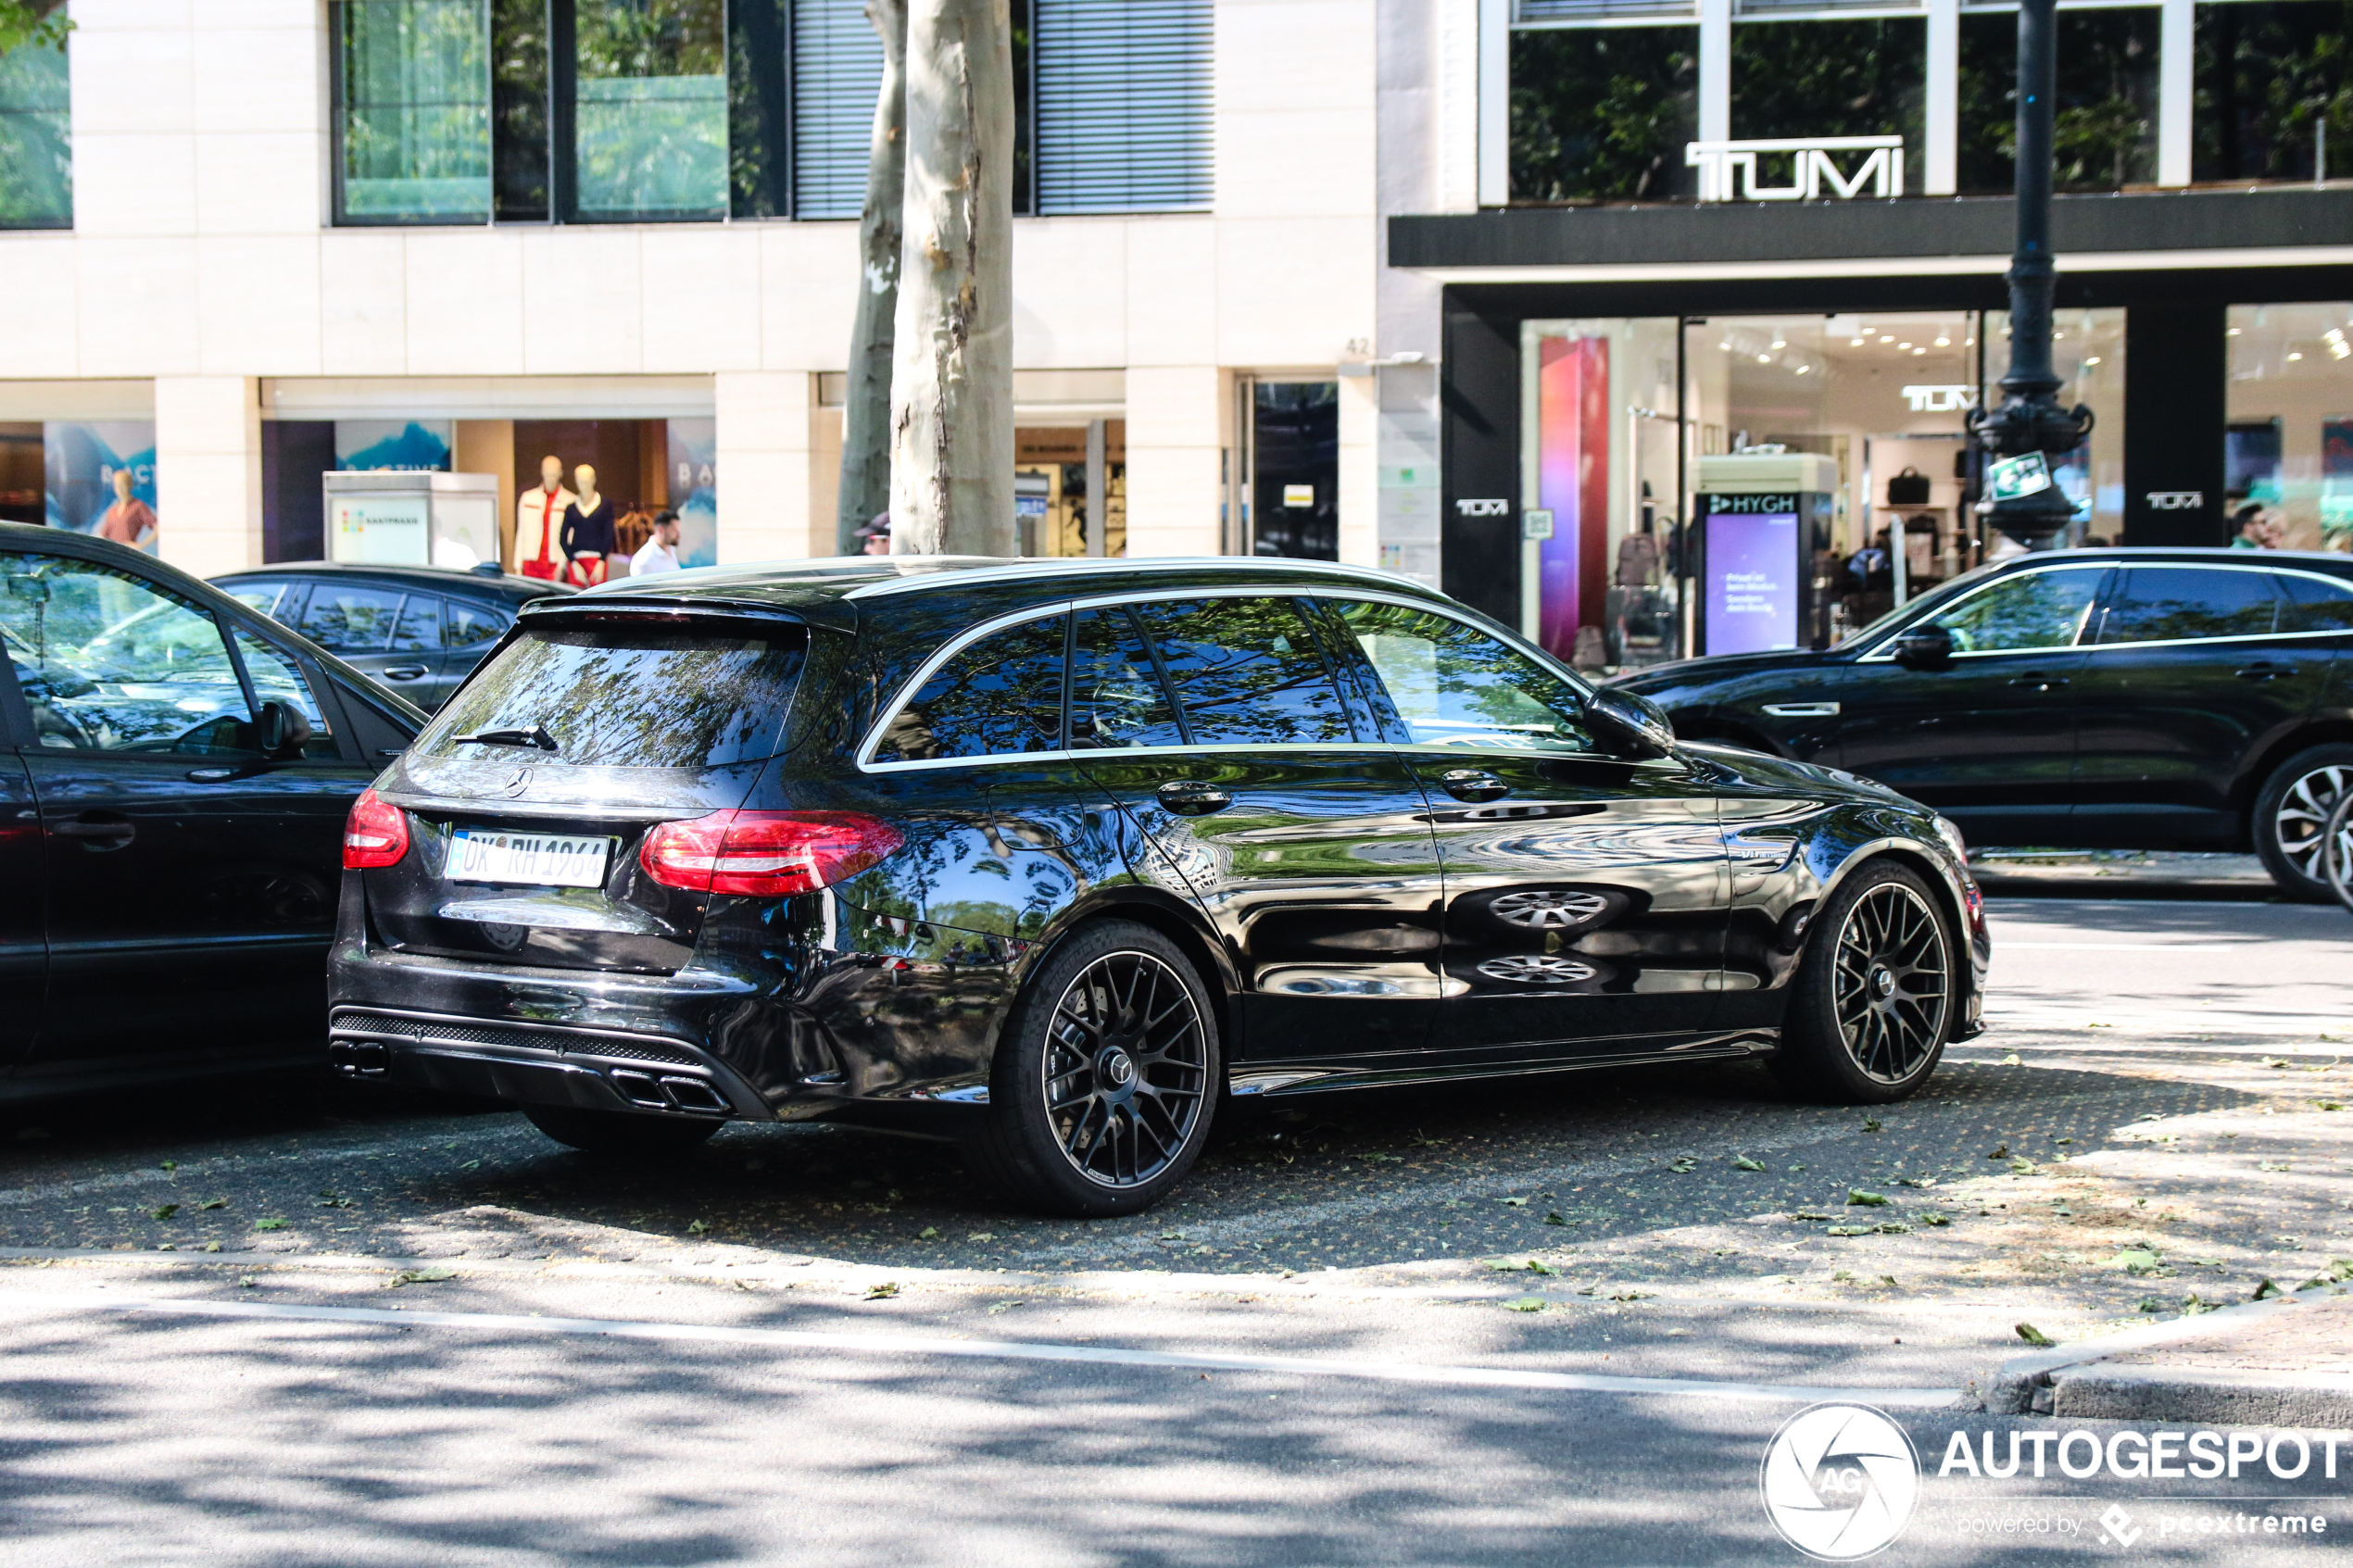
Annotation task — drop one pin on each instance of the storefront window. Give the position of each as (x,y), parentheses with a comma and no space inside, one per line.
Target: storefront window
(36,133)
(2288,468)
(2105,112)
(412,111)
(1602,114)
(649,110)
(2266,74)
(1295,470)
(1859,78)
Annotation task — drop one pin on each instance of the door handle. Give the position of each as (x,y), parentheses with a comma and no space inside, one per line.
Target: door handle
(2262,673)
(1471,784)
(2036,681)
(1191,798)
(98,832)
(406,673)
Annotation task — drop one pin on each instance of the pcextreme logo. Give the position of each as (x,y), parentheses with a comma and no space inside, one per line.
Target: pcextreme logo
(1840,1481)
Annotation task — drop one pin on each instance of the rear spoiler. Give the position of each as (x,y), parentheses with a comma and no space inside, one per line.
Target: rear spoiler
(648,607)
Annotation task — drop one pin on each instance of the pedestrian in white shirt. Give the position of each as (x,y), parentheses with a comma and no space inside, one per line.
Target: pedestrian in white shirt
(660,552)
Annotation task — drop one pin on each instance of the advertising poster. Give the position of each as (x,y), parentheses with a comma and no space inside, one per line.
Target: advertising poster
(379,530)
(1572,483)
(2336,482)
(1752,566)
(100,478)
(395,445)
(694,489)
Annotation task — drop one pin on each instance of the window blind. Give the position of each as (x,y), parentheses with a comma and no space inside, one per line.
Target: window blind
(1122,101)
(838,67)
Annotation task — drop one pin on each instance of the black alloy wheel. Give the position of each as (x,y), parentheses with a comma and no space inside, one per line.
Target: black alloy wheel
(1106,1076)
(2290,811)
(1873,1006)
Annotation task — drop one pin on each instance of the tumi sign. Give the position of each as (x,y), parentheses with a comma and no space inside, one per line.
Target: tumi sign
(1814,170)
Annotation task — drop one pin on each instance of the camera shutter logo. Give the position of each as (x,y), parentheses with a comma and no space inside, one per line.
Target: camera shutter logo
(1840,1481)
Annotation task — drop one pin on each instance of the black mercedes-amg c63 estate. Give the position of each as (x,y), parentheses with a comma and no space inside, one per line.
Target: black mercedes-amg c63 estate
(1051,857)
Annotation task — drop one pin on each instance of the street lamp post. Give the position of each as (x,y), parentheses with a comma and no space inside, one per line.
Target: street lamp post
(2021,498)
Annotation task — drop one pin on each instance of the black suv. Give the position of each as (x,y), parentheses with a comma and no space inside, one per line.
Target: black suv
(1050,856)
(420,629)
(2104,699)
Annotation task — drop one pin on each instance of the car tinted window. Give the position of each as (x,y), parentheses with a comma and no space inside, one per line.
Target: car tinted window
(2164,604)
(2316,603)
(2034,610)
(470,625)
(108,661)
(998,696)
(350,618)
(1453,684)
(1246,672)
(1117,699)
(277,678)
(418,630)
(261,597)
(631,696)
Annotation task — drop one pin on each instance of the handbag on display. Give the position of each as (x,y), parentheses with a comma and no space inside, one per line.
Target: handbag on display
(1907,489)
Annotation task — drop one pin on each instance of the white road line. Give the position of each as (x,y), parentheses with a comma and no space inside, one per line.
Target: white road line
(21,1302)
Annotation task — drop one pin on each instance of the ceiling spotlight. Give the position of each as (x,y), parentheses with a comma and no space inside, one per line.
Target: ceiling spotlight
(2339,350)
(1764,358)
(1803,369)
(2232,332)
(2092,359)
(2056,336)
(1779,342)
(1855,341)
(1945,343)
(1918,351)
(1887,337)
(1902,345)
(2292,358)
(1726,346)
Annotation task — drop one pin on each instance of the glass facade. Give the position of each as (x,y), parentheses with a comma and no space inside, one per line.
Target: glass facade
(37,135)
(2105,116)
(2289,455)
(2267,72)
(412,111)
(1602,114)
(649,110)
(1859,77)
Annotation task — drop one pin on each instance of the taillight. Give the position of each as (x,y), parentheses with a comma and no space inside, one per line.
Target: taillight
(376,834)
(765,854)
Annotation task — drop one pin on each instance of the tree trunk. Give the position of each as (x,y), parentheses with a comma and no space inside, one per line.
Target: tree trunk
(865,436)
(951,414)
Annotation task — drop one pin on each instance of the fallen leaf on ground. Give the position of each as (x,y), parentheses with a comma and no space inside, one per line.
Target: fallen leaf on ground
(1856,1196)
(698,1227)
(1870,1124)
(1554,1219)
(927,1233)
(1934,1218)
(2134,1260)
(272,1223)
(1515,1202)
(1684,1166)
(423,1276)
(1849,1230)
(165,1211)
(2266,1290)
(214,1203)
(2000,1151)
(1742,1163)
(881,1292)
(2034,1336)
(1895,1228)
(982,1235)
(1525,1304)
(2012,1061)
(1002,1307)
(1807,1214)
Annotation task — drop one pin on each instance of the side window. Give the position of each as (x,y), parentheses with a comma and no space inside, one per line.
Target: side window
(418,630)
(2315,604)
(1453,685)
(1246,672)
(2164,604)
(1000,697)
(261,597)
(2034,610)
(1117,699)
(350,618)
(108,661)
(277,678)
(470,625)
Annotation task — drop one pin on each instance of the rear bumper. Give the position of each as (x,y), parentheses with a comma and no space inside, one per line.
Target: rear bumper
(538,1064)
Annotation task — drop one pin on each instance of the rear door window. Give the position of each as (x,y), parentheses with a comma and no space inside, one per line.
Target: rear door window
(350,618)
(617,695)
(2316,603)
(998,696)
(1247,672)
(2172,604)
(1453,684)
(470,625)
(259,596)
(1116,700)
(418,629)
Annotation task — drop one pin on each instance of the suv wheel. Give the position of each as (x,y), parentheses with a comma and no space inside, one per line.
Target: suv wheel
(1873,1004)
(1105,1079)
(620,1131)
(2290,810)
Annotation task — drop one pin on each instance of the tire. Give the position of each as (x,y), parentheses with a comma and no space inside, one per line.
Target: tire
(1873,1004)
(620,1132)
(2290,810)
(1106,1077)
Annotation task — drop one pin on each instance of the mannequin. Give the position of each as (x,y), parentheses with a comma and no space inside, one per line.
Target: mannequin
(540,518)
(130,521)
(587,535)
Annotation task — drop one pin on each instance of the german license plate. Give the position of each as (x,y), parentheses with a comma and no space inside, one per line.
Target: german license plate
(542,859)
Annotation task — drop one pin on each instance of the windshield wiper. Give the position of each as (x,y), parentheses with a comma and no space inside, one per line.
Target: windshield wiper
(535,736)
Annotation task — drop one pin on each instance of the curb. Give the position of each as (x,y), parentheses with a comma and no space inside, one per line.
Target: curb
(2071,1379)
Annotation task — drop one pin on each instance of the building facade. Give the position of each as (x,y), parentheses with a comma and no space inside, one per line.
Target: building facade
(1512,295)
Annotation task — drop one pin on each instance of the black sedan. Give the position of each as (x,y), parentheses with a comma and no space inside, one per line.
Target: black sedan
(418,630)
(172,797)
(2108,698)
(1050,857)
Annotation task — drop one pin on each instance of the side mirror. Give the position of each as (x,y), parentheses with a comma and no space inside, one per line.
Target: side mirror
(1925,648)
(1628,724)
(281,731)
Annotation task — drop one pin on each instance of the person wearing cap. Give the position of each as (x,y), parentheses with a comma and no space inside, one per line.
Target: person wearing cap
(874,539)
(660,552)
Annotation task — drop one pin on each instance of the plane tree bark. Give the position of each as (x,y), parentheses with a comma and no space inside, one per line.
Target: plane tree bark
(865,437)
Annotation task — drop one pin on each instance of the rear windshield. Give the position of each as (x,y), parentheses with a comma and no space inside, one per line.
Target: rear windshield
(629,697)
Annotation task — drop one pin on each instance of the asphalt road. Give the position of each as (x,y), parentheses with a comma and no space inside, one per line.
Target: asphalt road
(1543,1322)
